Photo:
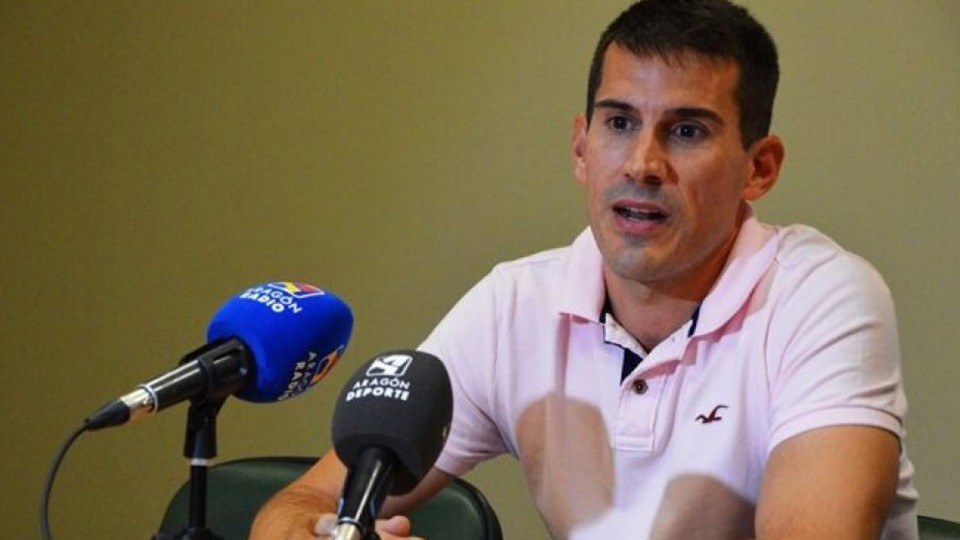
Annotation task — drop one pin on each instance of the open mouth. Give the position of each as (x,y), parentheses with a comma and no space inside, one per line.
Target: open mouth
(640,214)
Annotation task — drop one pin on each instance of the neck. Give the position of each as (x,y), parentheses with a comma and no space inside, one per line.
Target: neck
(651,312)
(649,316)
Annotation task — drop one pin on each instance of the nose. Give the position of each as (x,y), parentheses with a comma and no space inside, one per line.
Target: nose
(647,160)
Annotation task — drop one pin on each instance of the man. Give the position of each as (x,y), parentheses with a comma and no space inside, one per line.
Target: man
(681,370)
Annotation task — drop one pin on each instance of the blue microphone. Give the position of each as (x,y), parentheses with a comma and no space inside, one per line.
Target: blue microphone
(268,343)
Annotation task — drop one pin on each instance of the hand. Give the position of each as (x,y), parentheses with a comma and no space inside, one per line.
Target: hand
(395,528)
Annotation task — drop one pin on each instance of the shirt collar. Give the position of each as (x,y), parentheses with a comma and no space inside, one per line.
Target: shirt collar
(752,254)
(583,294)
(583,291)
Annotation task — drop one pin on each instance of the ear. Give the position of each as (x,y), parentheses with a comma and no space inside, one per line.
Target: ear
(766,157)
(578,148)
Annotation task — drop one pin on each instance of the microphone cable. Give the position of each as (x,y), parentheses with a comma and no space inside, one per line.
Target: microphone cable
(48,485)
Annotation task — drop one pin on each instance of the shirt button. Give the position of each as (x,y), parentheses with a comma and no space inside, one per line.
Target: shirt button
(640,386)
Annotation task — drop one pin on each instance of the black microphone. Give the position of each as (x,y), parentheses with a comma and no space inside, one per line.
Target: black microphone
(389,426)
(268,343)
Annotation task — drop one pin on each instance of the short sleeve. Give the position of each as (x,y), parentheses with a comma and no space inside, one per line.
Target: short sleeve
(834,357)
(465,340)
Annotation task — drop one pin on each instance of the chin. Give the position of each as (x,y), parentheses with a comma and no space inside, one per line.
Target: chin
(633,266)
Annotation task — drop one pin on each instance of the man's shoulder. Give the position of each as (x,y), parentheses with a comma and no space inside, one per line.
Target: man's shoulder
(538,274)
(541,261)
(808,255)
(804,245)
(552,262)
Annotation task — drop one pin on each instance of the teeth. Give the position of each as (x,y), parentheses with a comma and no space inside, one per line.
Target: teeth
(633,213)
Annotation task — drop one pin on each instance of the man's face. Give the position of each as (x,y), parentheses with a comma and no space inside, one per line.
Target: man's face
(664,169)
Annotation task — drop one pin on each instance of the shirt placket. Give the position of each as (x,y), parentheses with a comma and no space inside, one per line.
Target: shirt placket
(641,396)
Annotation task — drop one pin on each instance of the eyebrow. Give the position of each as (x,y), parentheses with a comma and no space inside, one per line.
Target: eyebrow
(613,104)
(681,112)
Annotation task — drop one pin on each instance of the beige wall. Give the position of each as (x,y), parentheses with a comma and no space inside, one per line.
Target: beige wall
(156,157)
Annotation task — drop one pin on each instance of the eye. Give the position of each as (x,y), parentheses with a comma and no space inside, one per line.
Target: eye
(689,132)
(620,123)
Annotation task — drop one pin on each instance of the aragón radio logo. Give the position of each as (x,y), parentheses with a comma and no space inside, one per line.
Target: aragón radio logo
(309,371)
(281,296)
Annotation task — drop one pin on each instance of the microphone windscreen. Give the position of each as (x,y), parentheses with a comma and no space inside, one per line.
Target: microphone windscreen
(294,331)
(400,401)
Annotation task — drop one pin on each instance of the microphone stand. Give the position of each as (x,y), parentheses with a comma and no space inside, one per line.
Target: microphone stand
(200,446)
(200,443)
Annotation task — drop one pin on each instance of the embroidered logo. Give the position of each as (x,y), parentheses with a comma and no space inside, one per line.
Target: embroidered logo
(713,416)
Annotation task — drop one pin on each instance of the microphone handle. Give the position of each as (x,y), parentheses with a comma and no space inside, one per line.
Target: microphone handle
(213,371)
(216,370)
(367,484)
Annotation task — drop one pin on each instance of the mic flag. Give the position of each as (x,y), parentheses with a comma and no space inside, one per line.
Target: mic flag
(400,401)
(389,425)
(268,343)
(295,332)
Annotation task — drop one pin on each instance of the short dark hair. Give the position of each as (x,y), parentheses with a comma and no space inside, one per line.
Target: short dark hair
(716,29)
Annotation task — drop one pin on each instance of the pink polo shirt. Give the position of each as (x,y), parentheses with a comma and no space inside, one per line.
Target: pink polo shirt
(796,334)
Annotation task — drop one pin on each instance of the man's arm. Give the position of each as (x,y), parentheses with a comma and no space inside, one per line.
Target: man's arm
(832,482)
(292,513)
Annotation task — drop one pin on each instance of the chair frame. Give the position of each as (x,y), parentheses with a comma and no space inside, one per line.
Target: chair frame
(248,474)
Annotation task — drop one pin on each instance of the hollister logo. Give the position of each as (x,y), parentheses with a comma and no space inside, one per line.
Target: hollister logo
(393,365)
(714,415)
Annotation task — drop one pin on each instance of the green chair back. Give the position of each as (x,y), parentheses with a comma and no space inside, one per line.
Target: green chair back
(237,489)
(932,528)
